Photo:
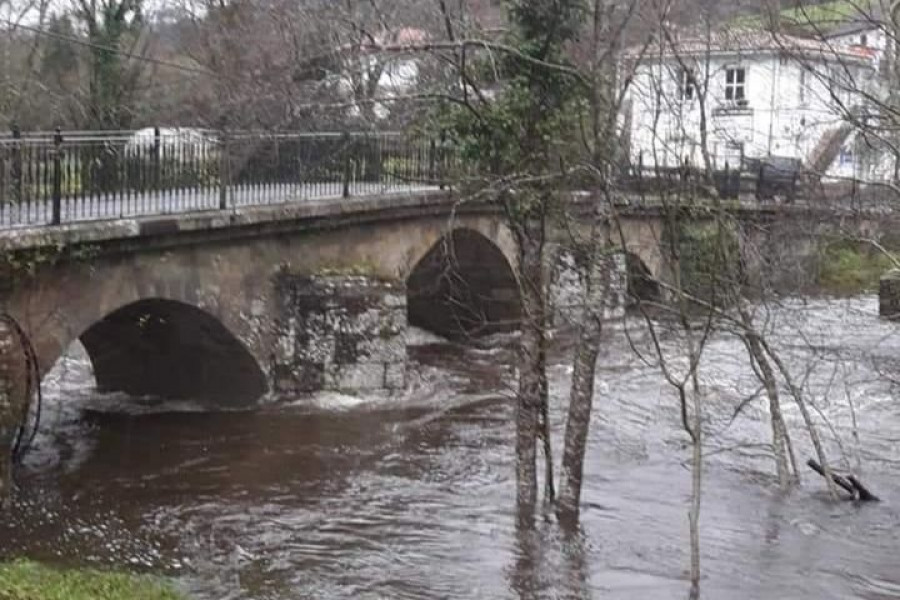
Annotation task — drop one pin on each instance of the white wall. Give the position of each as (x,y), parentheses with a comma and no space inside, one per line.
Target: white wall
(875,38)
(776,119)
(398,77)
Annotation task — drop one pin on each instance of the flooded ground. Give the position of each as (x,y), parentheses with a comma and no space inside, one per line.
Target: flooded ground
(411,497)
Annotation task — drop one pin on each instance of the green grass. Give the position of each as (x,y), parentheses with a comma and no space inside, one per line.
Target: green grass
(848,268)
(27,580)
(814,18)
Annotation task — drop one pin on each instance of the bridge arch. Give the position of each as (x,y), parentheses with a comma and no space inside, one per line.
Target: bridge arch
(167,348)
(464,286)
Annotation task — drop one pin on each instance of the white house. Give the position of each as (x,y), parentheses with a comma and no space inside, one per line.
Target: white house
(864,28)
(756,94)
(374,74)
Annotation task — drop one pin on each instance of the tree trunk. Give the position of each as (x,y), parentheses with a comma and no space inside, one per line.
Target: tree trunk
(531,375)
(15,395)
(694,429)
(696,491)
(581,395)
(5,474)
(549,490)
(779,431)
(9,411)
(797,394)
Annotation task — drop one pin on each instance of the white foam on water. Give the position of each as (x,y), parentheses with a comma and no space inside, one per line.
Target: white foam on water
(416,336)
(334,401)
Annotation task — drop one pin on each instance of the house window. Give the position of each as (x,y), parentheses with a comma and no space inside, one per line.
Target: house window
(685,84)
(846,156)
(735,84)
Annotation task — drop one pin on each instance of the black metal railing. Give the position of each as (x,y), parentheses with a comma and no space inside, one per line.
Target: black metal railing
(48,178)
(758,182)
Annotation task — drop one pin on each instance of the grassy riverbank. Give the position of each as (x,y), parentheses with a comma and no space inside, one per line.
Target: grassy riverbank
(26,580)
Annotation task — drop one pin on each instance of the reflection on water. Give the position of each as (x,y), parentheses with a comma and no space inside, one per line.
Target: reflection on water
(342,497)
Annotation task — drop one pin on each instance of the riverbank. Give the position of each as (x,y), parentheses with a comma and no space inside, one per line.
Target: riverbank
(27,580)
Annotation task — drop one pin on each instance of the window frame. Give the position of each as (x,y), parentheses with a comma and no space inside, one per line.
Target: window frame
(736,84)
(687,88)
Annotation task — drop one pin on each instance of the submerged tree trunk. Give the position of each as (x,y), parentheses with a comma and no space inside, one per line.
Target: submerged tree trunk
(811,428)
(695,430)
(779,431)
(696,496)
(532,367)
(549,489)
(581,395)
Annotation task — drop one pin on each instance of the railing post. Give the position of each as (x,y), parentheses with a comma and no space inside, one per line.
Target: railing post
(17,164)
(759,182)
(224,171)
(57,177)
(441,159)
(346,174)
(157,171)
(727,188)
(432,147)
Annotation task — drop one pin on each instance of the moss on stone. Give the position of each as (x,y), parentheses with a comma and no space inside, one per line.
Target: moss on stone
(851,268)
(710,261)
(27,580)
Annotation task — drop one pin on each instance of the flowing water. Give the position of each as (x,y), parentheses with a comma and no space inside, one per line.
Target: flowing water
(411,497)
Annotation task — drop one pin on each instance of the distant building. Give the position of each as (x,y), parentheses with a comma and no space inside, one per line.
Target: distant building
(375,77)
(173,143)
(765,95)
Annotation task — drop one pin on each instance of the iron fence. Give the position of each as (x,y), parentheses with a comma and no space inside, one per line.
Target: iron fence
(759,183)
(59,177)
(49,178)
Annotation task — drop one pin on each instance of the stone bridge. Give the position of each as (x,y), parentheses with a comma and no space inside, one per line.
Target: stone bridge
(228,306)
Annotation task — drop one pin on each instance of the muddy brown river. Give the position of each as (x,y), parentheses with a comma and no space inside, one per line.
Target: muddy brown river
(411,497)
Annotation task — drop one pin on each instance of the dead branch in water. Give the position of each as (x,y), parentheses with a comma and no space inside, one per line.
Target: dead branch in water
(850,483)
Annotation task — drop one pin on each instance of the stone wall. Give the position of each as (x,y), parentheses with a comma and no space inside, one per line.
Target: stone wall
(567,287)
(889,295)
(338,332)
(13,399)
